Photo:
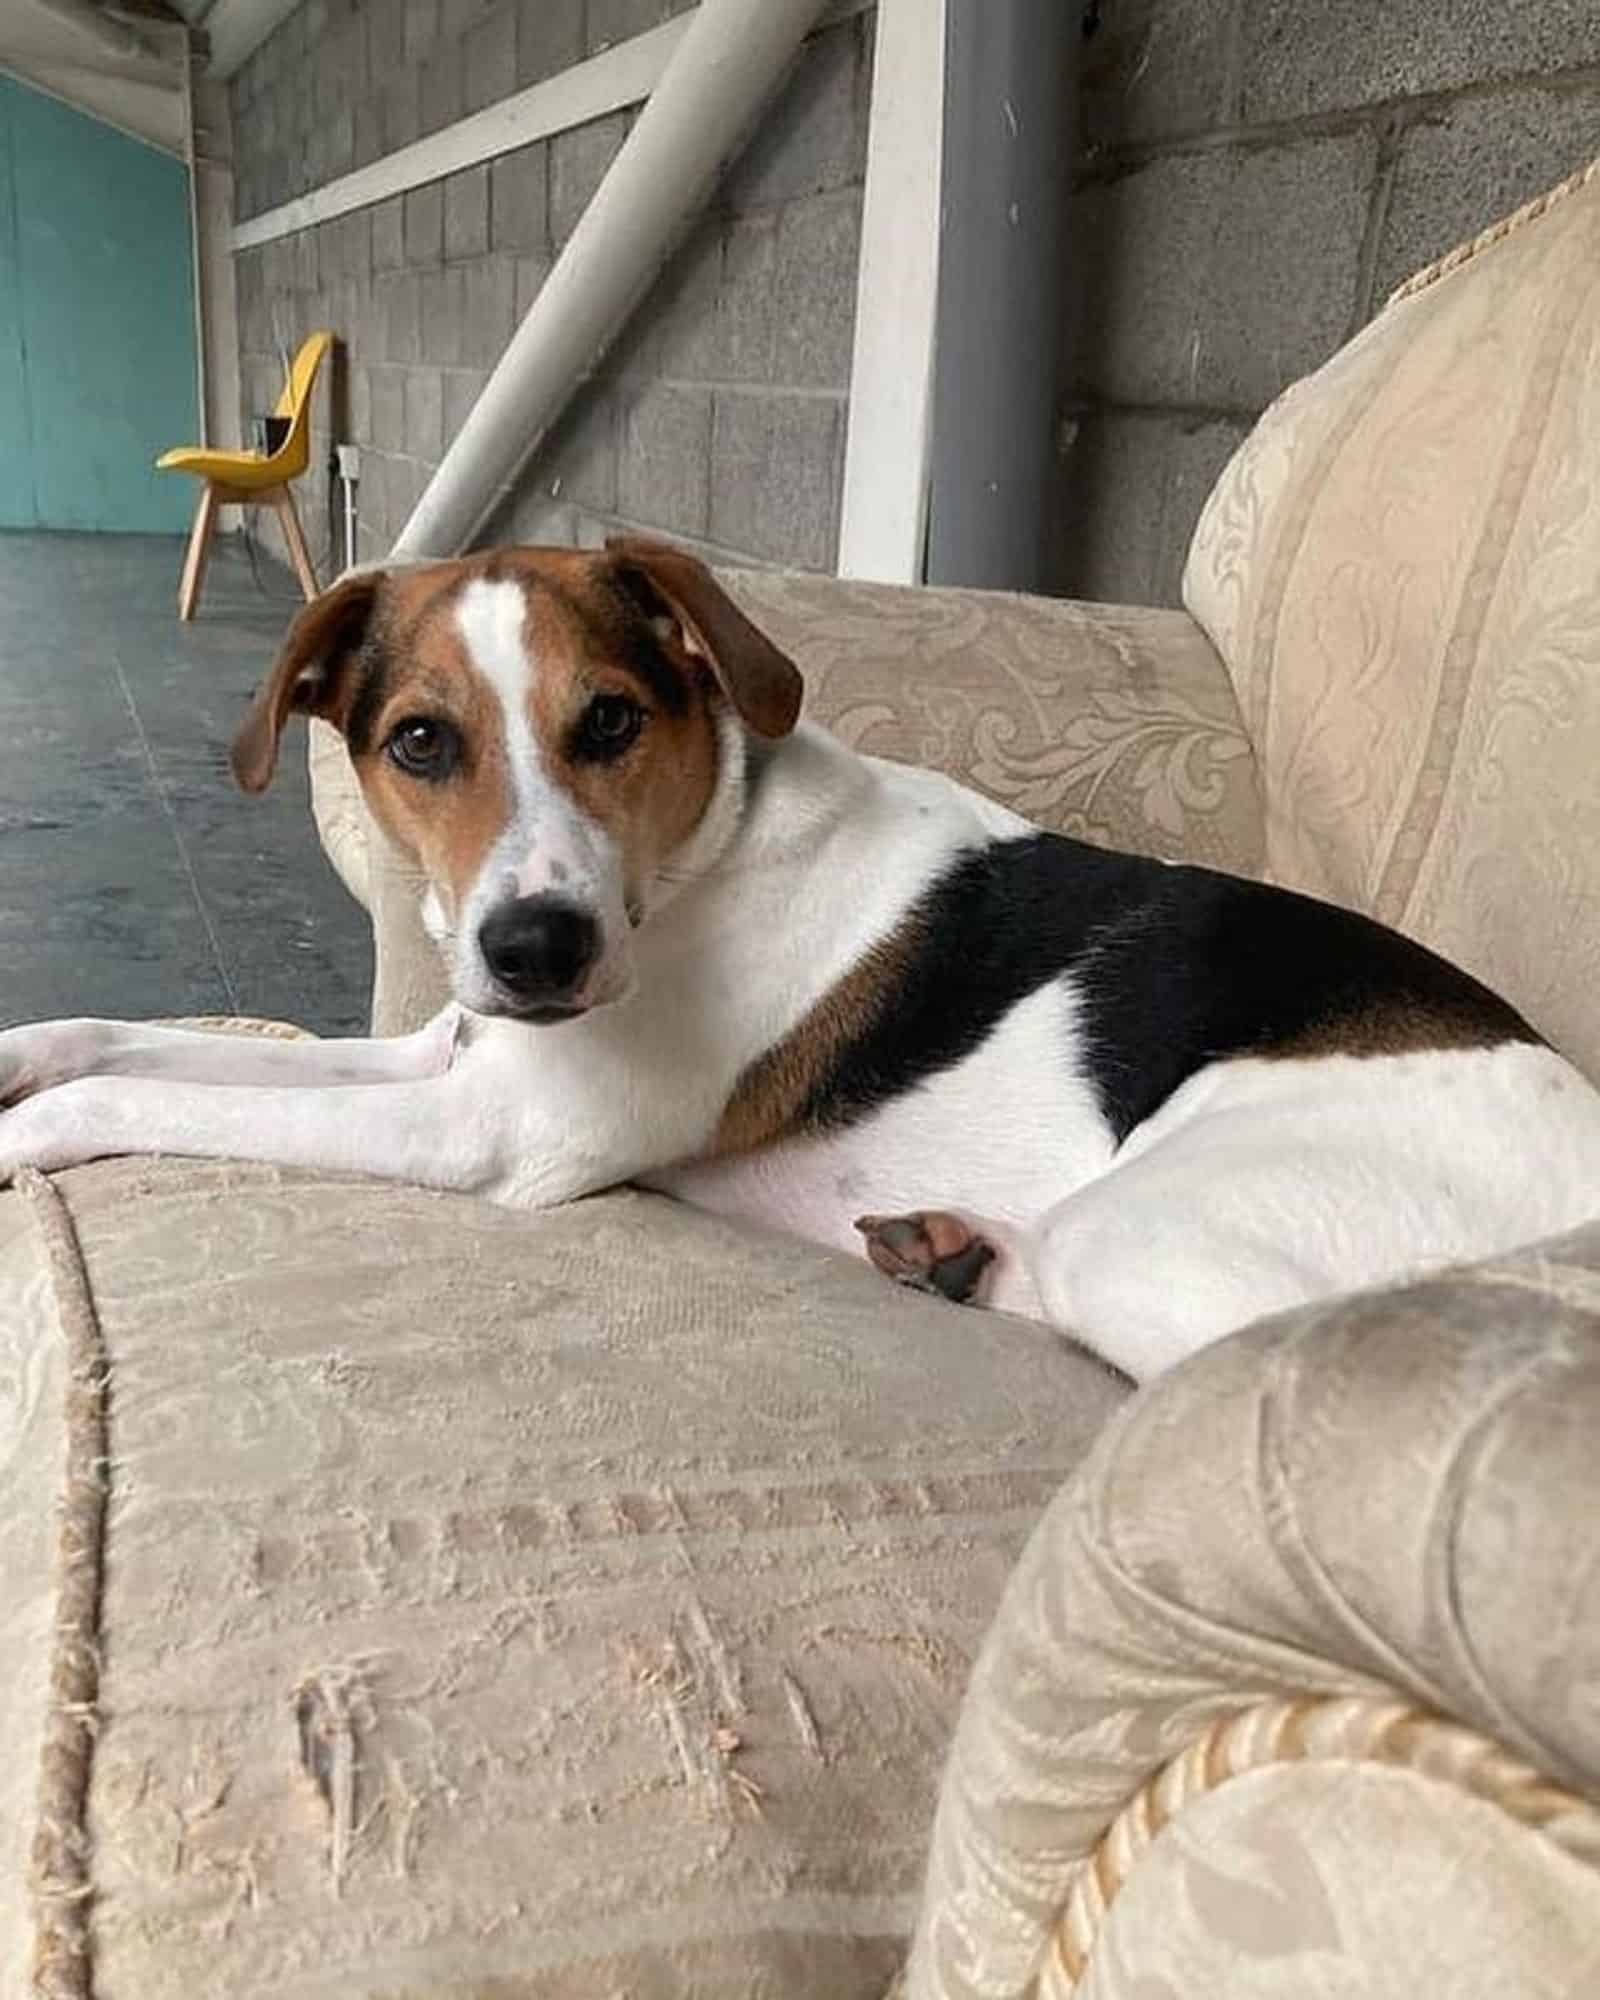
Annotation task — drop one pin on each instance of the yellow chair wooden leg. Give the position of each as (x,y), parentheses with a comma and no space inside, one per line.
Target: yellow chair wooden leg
(283,500)
(194,562)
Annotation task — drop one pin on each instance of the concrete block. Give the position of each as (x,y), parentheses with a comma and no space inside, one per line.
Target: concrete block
(340,152)
(386,390)
(664,476)
(588,532)
(686,308)
(397,297)
(357,228)
(457,18)
(385,39)
(534,521)
(1481,159)
(424,224)
(578,462)
(399,115)
(613,21)
(578,163)
(1301,59)
(441,315)
(408,477)
(814,137)
(389,234)
(814,291)
(748,301)
(358,382)
(440,86)
(369,137)
(462,388)
(306,276)
(330,250)
(1132,487)
(519,190)
(424,398)
(1218,278)
(549,38)
(311,163)
(1154,68)
(421,28)
(490,53)
(466,214)
(775,469)
(488,311)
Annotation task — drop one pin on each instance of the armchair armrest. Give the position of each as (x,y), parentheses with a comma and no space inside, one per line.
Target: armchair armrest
(1379,1512)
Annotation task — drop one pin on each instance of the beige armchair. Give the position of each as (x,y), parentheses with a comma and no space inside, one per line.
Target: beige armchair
(409,1597)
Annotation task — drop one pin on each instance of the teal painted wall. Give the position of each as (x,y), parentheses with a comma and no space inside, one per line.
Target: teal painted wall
(97,334)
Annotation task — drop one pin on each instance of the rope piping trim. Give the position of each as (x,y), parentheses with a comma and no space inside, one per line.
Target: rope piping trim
(1463,253)
(60,1873)
(1351,1730)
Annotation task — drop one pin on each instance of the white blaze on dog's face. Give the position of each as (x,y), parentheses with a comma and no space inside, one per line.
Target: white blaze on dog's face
(544,731)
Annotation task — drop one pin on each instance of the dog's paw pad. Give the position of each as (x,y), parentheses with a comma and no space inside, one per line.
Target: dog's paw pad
(929,1250)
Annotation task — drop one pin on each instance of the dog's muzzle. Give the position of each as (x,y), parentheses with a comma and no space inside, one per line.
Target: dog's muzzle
(539,950)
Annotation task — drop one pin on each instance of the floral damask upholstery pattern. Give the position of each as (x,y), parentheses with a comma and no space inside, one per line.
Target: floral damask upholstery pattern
(1399,567)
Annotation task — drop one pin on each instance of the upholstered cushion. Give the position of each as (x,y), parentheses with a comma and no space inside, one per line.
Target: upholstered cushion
(1109,722)
(537,1606)
(1114,724)
(1389,1498)
(1334,1879)
(1399,568)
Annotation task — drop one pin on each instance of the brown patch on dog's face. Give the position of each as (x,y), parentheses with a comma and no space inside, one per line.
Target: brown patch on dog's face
(623,720)
(447,816)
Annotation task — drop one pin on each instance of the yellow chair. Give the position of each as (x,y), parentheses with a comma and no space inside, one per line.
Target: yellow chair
(254,478)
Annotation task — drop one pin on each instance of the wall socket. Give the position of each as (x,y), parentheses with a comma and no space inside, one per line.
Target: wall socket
(349,457)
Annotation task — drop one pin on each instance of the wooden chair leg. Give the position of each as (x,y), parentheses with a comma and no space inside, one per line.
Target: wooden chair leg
(194,561)
(300,555)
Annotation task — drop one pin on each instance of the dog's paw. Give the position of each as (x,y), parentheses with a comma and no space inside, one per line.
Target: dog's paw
(930,1250)
(44,1054)
(52,1129)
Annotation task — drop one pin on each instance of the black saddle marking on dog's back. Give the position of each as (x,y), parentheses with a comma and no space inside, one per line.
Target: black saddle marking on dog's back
(1171,968)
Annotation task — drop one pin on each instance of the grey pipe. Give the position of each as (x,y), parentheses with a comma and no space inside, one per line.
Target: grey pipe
(1010,66)
(729,62)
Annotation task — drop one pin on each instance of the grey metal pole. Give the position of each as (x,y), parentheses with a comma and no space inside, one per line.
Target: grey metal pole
(1010,72)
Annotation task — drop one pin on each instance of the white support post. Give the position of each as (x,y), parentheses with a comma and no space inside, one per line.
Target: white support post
(883,522)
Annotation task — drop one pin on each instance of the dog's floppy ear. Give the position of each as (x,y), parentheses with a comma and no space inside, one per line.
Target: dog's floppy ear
(763,683)
(311,674)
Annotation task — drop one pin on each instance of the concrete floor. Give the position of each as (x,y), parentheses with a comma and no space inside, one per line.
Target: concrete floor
(135,879)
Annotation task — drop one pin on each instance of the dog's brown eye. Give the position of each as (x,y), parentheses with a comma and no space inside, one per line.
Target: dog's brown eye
(608,725)
(423,747)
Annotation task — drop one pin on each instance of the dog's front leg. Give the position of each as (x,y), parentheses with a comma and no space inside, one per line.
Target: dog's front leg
(46,1054)
(446,1132)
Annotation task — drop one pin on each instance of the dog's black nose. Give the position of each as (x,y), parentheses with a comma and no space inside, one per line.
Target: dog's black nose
(539,947)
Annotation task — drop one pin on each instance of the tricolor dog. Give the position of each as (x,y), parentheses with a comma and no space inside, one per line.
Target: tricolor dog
(697,945)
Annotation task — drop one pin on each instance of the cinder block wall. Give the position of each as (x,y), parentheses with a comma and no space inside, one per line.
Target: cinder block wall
(1255,177)
(719,418)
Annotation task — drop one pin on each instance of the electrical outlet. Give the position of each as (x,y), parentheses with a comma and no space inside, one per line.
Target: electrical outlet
(349,463)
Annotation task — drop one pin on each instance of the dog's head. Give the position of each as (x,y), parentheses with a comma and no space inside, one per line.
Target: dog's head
(544,730)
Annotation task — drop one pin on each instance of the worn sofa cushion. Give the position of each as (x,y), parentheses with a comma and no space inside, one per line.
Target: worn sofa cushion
(1399,569)
(492,1604)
